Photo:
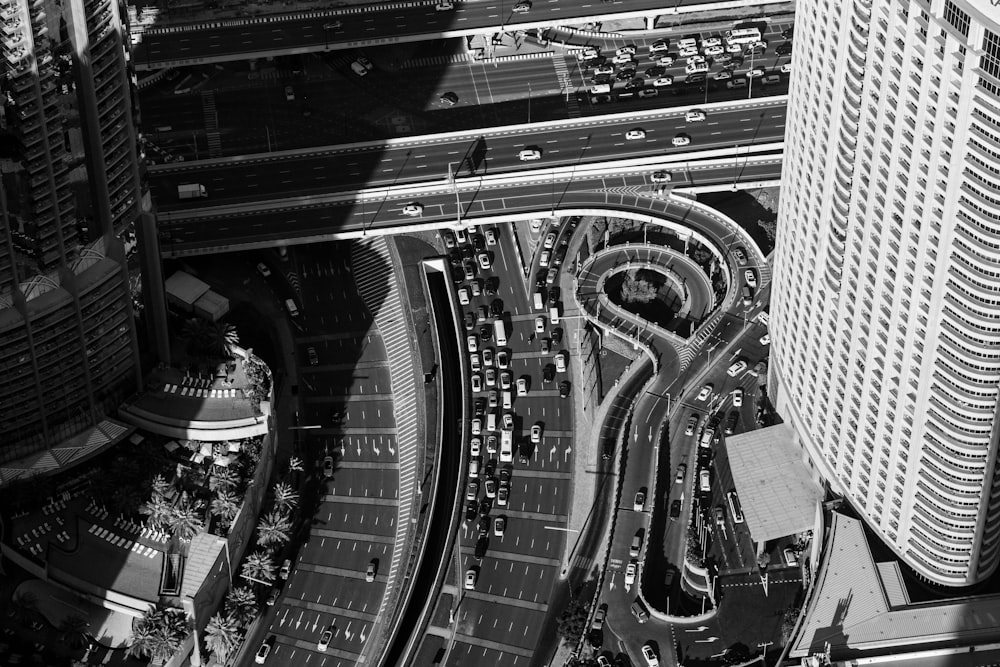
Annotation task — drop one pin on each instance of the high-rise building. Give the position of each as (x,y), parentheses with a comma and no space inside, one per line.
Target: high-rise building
(69,197)
(885,317)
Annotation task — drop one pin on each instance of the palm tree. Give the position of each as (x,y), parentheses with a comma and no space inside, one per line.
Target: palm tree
(159,510)
(74,629)
(158,634)
(186,519)
(275,528)
(225,505)
(259,566)
(210,339)
(223,478)
(285,499)
(159,485)
(241,604)
(222,635)
(295,464)
(23,606)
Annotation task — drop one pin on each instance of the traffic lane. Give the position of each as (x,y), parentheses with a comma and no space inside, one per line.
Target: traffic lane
(466,653)
(360,448)
(365,483)
(345,589)
(302,628)
(369,378)
(363,519)
(511,579)
(412,161)
(524,535)
(362,345)
(265,227)
(352,554)
(486,617)
(363,412)
(539,495)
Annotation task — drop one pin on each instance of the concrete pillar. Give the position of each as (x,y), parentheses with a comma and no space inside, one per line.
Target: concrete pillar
(650,22)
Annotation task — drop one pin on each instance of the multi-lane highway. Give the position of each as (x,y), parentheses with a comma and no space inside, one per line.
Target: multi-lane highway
(347,27)
(276,176)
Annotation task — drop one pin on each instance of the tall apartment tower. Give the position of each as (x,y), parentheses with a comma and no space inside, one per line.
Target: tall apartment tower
(70,193)
(886,298)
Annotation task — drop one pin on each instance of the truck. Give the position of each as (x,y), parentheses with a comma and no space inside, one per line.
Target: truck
(191,191)
(500,332)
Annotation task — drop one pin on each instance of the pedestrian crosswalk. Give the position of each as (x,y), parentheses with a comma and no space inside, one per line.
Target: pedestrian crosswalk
(375,278)
(431,61)
(211,123)
(572,106)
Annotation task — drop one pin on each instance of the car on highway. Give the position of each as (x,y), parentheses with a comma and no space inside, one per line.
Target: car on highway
(272,598)
(723,75)
(491,488)
(529,155)
(370,572)
(536,433)
(472,490)
(463,296)
(675,509)
(648,92)
(628,49)
(604,70)
(600,99)
(475,447)
(622,59)
(485,332)
(328,466)
(263,651)
(661,177)
(636,133)
(625,74)
(600,89)
(472,342)
(649,655)
(470,580)
(488,357)
(654,72)
(263,270)
(505,380)
(477,425)
(546,345)
(786,68)
(737,368)
(659,46)
(560,360)
(551,276)
(734,506)
(734,49)
(499,526)
(630,571)
(694,116)
(783,49)
(705,392)
(692,424)
(705,480)
(639,502)
(790,557)
(496,308)
(688,51)
(471,509)
(449,98)
(502,495)
(550,240)
(751,277)
(324,640)
(492,285)
(522,7)
(543,259)
(359,68)
(564,388)
(711,41)
(736,83)
(596,634)
(522,386)
(491,236)
(755,73)
(681,140)
(469,271)
(313,357)
(740,253)
(539,325)
(475,363)
(765,339)
(664,81)
(720,516)
(485,263)
(681,473)
(713,51)
(286,569)
(737,397)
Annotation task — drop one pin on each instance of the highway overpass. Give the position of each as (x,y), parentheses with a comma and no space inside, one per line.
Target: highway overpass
(212,41)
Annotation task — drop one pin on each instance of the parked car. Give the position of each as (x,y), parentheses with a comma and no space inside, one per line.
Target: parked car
(705,392)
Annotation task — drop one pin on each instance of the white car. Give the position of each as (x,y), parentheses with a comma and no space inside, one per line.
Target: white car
(649,655)
(630,571)
(751,277)
(664,81)
(536,433)
(789,555)
(786,68)
(505,379)
(491,236)
(522,387)
(622,58)
(444,6)
(755,73)
(630,50)
(737,397)
(491,377)
(477,425)
(413,210)
(470,580)
(475,363)
(475,447)
(477,383)
(714,51)
(635,134)
(681,140)
(689,51)
(488,357)
(710,42)
(473,343)
(499,526)
(765,339)
(737,368)
(262,653)
(660,177)
(705,480)
(485,263)
(263,270)
(543,259)
(705,392)
(604,69)
(503,495)
(550,240)
(508,421)
(694,116)
(561,362)
(523,7)
(529,154)
(503,359)
(539,325)
(324,640)
(723,75)
(734,49)
(463,296)
(659,47)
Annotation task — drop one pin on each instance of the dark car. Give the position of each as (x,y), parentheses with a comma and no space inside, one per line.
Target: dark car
(484,525)
(482,544)
(485,505)
(492,285)
(485,333)
(546,345)
(540,278)
(449,98)
(491,468)
(470,321)
(675,509)
(523,452)
(548,373)
(655,71)
(505,474)
(480,406)
(734,418)
(635,84)
(455,257)
(787,33)
(599,79)
(478,242)
(470,510)
(594,99)
(784,49)
(496,307)
(564,387)
(625,74)
(557,335)
(554,293)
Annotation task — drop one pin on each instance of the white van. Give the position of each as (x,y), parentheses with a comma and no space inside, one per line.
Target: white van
(600,88)
(491,422)
(554,313)
(508,400)
(290,306)
(500,332)
(687,43)
(538,301)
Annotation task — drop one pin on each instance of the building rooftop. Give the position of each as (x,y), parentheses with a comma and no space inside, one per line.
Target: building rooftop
(775,487)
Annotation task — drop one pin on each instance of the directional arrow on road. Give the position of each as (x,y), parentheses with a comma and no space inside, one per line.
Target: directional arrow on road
(392,452)
(566,454)
(611,582)
(635,434)
(650,436)
(359,449)
(700,628)
(376,450)
(361,636)
(705,641)
(552,452)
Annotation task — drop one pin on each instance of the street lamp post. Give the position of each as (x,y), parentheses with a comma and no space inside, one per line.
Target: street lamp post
(529,102)
(454,185)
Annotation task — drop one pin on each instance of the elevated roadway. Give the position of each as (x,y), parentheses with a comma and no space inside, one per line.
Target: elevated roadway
(309,220)
(211,41)
(574,142)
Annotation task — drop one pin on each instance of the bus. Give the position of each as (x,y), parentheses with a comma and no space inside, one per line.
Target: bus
(742,36)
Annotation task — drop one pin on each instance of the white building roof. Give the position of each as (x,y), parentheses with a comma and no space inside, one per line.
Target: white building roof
(775,487)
